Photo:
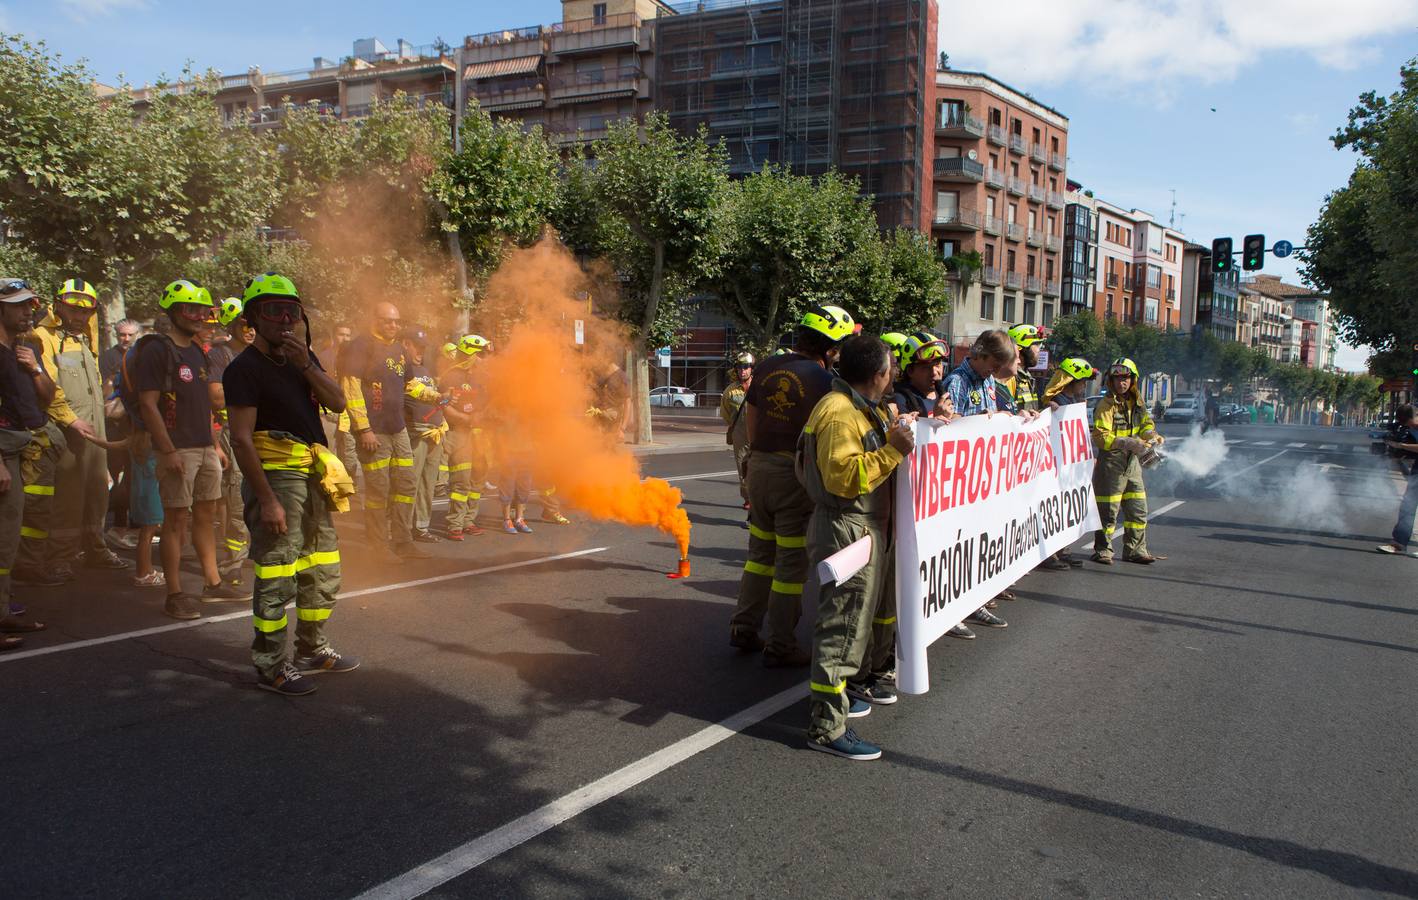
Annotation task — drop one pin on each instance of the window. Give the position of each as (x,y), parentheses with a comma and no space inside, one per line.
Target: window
(952,112)
(1054,144)
(1054,185)
(994,160)
(598,13)
(1049,269)
(1154,278)
(1110,305)
(1048,319)
(1033,220)
(1008,311)
(1028,311)
(1033,175)
(987,304)
(990,255)
(1052,222)
(1009,260)
(947,249)
(1012,214)
(995,116)
(1030,267)
(990,206)
(1014,169)
(1017,126)
(1036,135)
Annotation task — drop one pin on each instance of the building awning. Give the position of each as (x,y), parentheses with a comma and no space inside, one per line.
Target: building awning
(518,65)
(509,107)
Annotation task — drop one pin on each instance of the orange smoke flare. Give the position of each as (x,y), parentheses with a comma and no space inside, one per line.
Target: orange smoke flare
(543,396)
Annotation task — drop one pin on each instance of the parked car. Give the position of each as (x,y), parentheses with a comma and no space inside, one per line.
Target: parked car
(1093,404)
(1381,429)
(1234,413)
(672,396)
(1185,408)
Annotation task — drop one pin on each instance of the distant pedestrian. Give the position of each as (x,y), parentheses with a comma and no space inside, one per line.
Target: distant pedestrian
(1406,440)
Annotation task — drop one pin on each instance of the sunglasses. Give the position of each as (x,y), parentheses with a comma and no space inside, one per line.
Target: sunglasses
(394,319)
(278,312)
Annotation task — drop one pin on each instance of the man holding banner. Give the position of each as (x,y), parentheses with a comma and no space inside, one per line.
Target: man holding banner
(849,452)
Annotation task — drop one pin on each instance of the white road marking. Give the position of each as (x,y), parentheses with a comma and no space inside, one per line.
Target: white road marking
(1088,544)
(1262,443)
(246,613)
(1329,446)
(1238,473)
(1296,446)
(463,859)
(704,475)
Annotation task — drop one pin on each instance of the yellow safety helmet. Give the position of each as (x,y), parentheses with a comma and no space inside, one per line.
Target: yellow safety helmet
(470,344)
(1077,368)
(1127,366)
(184,291)
(743,359)
(230,310)
(922,347)
(1025,335)
(450,349)
(77,292)
(833,322)
(894,340)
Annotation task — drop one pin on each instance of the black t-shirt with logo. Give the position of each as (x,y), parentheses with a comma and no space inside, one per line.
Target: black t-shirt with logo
(784,391)
(421,412)
(283,398)
(19,404)
(380,367)
(181,380)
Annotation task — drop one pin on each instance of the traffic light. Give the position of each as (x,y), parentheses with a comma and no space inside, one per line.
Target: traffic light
(1413,362)
(1221,255)
(1253,252)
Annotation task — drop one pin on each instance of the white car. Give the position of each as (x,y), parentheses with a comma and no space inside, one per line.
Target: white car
(1184,408)
(672,396)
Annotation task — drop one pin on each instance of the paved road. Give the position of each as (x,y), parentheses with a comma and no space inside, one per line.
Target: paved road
(1234,721)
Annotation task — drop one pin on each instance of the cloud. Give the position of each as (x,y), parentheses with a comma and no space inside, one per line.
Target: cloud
(85,10)
(1126,43)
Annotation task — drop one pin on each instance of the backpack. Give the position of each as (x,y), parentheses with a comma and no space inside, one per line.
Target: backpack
(125,386)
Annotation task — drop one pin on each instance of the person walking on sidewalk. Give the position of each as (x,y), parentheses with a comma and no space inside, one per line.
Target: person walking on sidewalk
(849,452)
(274,392)
(375,377)
(1406,440)
(784,391)
(175,400)
(25,391)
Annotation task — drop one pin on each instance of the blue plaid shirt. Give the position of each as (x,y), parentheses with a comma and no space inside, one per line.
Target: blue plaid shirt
(971,394)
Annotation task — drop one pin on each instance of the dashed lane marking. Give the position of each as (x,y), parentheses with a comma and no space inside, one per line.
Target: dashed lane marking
(1088,544)
(246,613)
(704,475)
(1297,446)
(1262,443)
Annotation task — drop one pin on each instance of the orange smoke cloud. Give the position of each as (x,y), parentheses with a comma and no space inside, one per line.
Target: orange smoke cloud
(540,388)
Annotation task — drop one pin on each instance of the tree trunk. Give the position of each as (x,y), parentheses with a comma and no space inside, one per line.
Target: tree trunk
(641,364)
(114,311)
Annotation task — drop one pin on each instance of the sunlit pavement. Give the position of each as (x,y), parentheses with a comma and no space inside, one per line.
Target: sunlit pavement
(1234,721)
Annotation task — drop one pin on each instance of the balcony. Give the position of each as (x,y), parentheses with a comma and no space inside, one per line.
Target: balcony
(494,97)
(1016,143)
(994,177)
(1113,279)
(1016,185)
(1036,153)
(584,87)
(1051,289)
(1015,232)
(1053,243)
(1055,200)
(957,220)
(995,135)
(959,125)
(1032,284)
(595,35)
(959,169)
(1171,295)
(509,43)
(1056,161)
(1037,193)
(992,224)
(990,275)
(1035,238)
(569,135)
(1013,280)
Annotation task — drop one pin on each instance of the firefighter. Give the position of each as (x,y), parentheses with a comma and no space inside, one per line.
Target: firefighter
(424,421)
(466,450)
(67,343)
(732,412)
(25,391)
(1069,383)
(274,391)
(1122,431)
(233,511)
(1020,385)
(849,452)
(375,377)
(783,392)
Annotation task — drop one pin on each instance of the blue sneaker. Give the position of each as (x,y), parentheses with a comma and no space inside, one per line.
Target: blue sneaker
(848,746)
(522,526)
(325,660)
(287,681)
(508,527)
(858,709)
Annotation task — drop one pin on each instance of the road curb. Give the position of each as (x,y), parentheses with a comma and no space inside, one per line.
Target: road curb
(658,449)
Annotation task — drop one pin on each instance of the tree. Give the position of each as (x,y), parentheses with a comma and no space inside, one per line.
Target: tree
(1363,248)
(499,188)
(1234,366)
(662,195)
(916,294)
(95,187)
(1081,335)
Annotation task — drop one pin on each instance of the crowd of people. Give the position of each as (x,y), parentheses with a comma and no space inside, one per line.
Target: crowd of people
(819,431)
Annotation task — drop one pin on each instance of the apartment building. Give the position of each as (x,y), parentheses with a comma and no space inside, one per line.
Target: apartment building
(1306,305)
(1261,323)
(1139,268)
(1080,252)
(811,85)
(345,90)
(574,77)
(999,160)
(1210,299)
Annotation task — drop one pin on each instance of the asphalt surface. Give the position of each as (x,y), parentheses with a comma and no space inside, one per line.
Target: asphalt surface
(1234,721)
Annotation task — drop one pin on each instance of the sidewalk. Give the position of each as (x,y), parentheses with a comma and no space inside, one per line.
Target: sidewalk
(680,443)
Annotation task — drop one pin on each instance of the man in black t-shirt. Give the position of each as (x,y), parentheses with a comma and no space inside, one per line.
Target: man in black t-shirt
(782,393)
(274,391)
(175,401)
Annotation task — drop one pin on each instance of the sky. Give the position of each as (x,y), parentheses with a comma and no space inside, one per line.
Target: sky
(1229,104)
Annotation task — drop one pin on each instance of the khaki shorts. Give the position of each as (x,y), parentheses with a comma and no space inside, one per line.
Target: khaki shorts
(200,479)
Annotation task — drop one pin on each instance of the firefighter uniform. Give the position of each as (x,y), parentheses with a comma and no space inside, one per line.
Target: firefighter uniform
(736,434)
(426,428)
(39,463)
(467,451)
(302,565)
(373,374)
(22,423)
(1122,428)
(847,470)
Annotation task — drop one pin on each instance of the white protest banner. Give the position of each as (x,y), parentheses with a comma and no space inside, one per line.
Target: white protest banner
(979,503)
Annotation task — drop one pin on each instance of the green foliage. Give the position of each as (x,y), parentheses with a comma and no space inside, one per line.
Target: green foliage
(916,295)
(1363,248)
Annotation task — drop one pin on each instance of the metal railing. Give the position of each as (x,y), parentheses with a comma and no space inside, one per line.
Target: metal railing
(597,80)
(1037,193)
(1056,161)
(1015,232)
(1037,153)
(1113,279)
(994,177)
(1032,284)
(992,224)
(960,122)
(1013,280)
(1051,289)
(961,218)
(1016,142)
(990,274)
(959,167)
(1053,242)
(995,135)
(1035,238)
(1055,200)
(1016,185)
(504,36)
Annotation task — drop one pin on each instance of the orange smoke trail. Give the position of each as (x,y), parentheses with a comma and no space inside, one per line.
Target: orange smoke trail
(538,387)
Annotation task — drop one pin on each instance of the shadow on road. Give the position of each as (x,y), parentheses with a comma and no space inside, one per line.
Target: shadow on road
(1334,601)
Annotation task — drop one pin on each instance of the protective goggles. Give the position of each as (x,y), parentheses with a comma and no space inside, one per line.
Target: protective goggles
(1120,372)
(81,301)
(928,352)
(278,311)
